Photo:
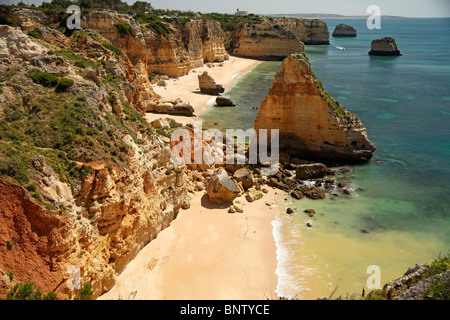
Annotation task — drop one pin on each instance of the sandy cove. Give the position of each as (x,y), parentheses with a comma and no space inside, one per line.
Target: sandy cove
(207,254)
(186,87)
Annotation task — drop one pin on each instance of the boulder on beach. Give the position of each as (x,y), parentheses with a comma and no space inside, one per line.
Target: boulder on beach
(384,47)
(208,85)
(221,189)
(245,176)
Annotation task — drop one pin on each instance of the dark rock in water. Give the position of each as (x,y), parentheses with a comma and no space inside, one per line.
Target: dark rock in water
(310,212)
(315,193)
(297,194)
(289,211)
(345,191)
(224,102)
(310,171)
(384,47)
(364,231)
(343,30)
(309,224)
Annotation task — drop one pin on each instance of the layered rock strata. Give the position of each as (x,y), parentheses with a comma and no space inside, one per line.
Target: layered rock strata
(311,123)
(264,41)
(343,30)
(208,85)
(188,46)
(384,47)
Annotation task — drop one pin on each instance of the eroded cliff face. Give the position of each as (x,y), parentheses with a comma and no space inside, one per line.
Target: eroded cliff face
(311,123)
(310,32)
(97,183)
(189,45)
(264,41)
(277,38)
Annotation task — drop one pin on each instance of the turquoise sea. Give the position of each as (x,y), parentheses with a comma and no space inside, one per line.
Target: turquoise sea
(401,197)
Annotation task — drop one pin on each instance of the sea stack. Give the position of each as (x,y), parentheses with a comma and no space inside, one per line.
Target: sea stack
(311,123)
(384,47)
(343,30)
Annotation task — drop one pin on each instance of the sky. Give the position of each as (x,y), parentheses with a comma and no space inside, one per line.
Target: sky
(405,8)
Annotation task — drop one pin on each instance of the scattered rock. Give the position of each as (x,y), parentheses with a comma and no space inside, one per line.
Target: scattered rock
(345,191)
(297,194)
(221,189)
(289,211)
(315,193)
(310,171)
(253,195)
(364,231)
(224,102)
(310,212)
(309,224)
(245,176)
(160,123)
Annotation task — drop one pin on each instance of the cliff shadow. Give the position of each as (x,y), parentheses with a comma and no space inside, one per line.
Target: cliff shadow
(206,203)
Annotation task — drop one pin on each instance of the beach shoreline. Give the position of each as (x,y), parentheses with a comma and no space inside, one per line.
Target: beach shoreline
(186,87)
(207,254)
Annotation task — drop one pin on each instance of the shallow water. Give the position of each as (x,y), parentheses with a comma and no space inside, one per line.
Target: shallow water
(402,201)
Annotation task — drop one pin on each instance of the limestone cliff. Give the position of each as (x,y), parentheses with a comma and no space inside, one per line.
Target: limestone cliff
(186,46)
(310,32)
(276,38)
(312,124)
(84,179)
(264,41)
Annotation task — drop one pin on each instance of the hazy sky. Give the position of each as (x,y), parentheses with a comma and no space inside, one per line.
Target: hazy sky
(406,8)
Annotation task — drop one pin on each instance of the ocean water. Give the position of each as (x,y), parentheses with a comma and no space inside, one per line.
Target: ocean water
(401,196)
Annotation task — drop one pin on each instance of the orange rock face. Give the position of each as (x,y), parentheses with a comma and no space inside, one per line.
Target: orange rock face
(189,45)
(311,123)
(34,242)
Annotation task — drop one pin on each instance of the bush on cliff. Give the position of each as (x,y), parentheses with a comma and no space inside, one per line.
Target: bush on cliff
(44,78)
(26,291)
(123,28)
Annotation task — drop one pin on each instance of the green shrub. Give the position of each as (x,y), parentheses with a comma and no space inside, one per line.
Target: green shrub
(26,291)
(123,28)
(116,51)
(36,33)
(46,79)
(64,84)
(8,21)
(85,293)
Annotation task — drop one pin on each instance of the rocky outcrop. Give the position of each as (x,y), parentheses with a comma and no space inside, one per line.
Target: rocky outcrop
(188,46)
(14,43)
(310,32)
(208,85)
(311,123)
(30,19)
(264,41)
(384,47)
(343,30)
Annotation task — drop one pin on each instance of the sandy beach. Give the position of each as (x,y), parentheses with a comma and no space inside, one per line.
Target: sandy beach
(207,254)
(186,87)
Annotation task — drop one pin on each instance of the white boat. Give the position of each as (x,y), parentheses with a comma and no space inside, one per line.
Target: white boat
(340,48)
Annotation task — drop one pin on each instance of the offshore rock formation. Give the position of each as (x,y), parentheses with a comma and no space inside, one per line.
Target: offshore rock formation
(343,30)
(384,47)
(311,123)
(188,46)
